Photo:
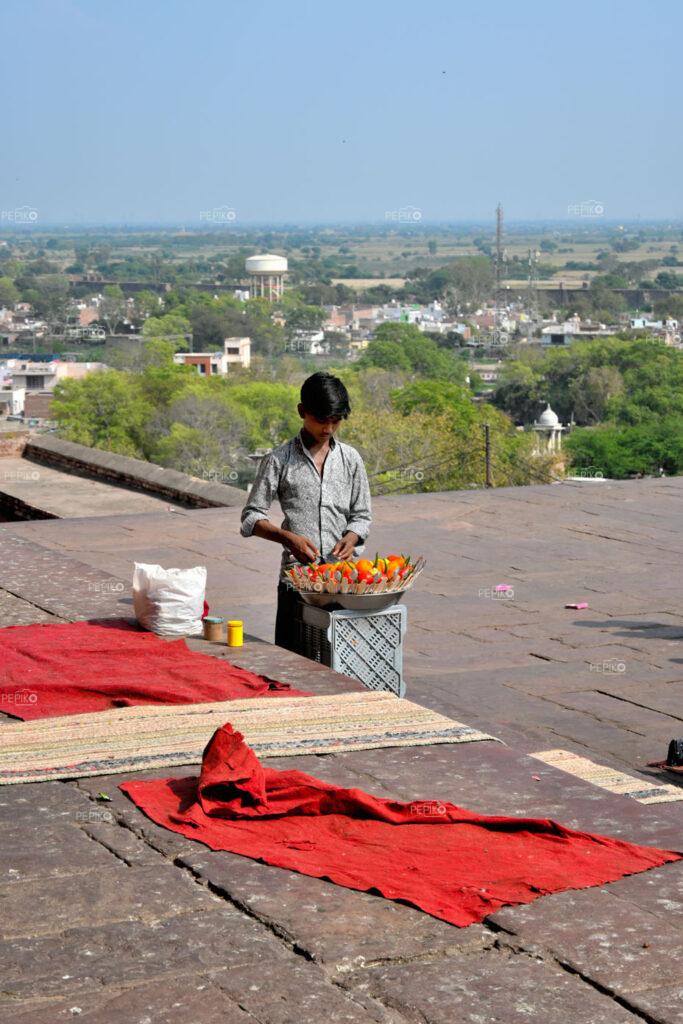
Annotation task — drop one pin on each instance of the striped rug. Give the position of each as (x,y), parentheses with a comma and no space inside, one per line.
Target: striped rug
(156,736)
(609,778)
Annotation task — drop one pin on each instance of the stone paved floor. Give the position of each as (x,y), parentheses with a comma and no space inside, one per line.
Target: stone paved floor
(112,919)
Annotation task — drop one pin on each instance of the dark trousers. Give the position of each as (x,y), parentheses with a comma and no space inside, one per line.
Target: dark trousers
(286,620)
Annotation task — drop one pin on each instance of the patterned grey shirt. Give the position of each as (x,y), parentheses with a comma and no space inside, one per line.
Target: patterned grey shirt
(322,507)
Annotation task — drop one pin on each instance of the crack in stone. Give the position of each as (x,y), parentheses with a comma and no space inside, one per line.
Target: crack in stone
(589,714)
(33,604)
(481,946)
(517,946)
(637,541)
(637,704)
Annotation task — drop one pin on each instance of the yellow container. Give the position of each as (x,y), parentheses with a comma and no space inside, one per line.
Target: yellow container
(235,633)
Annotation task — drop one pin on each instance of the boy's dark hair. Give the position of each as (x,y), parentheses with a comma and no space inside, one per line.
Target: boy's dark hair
(323,395)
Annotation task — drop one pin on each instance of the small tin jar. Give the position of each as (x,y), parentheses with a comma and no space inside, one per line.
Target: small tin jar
(213,628)
(235,633)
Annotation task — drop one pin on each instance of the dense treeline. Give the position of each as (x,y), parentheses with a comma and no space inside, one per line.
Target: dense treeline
(415,430)
(414,416)
(626,394)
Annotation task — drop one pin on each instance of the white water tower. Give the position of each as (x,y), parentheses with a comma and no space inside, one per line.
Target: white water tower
(265,276)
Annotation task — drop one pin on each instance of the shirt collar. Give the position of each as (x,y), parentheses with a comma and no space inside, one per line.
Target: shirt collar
(305,451)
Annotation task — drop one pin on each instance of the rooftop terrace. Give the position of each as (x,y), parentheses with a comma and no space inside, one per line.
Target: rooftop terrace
(124,921)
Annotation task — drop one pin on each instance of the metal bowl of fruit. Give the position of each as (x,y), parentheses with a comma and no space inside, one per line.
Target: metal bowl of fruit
(357,586)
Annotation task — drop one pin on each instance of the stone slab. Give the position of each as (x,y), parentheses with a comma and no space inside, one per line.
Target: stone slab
(609,708)
(162,840)
(53,850)
(189,999)
(333,925)
(661,1004)
(15,611)
(94,898)
(32,804)
(606,938)
(123,843)
(297,992)
(123,954)
(482,988)
(58,583)
(659,892)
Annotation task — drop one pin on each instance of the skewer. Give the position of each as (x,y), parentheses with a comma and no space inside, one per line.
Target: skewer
(333,585)
(335,582)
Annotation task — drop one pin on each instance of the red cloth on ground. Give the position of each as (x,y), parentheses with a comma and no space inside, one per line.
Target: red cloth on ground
(451,863)
(71,668)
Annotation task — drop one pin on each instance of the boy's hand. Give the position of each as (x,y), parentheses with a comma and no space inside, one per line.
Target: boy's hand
(343,549)
(302,548)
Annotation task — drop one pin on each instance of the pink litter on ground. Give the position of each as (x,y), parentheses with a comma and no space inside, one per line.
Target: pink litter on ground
(585,605)
(502,586)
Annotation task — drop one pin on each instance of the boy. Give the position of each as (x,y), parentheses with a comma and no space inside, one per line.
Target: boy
(323,490)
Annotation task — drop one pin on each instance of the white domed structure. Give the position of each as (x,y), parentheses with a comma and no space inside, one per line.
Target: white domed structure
(265,276)
(548,418)
(548,431)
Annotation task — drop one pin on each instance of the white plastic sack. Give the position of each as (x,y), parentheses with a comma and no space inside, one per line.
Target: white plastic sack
(169,602)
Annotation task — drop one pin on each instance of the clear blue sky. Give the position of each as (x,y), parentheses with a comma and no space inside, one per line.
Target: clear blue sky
(156,110)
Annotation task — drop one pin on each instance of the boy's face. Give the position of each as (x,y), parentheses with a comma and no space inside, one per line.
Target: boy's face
(320,430)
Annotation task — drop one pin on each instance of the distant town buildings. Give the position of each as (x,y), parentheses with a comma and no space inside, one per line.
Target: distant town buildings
(27,386)
(236,352)
(564,333)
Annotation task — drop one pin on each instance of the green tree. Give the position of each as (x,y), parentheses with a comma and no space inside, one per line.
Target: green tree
(667,279)
(622,451)
(429,436)
(672,306)
(518,392)
(386,355)
(267,337)
(9,293)
(395,331)
(145,305)
(169,326)
(203,434)
(112,308)
(101,411)
(162,381)
(208,329)
(269,410)
(52,297)
(405,347)
(305,318)
(592,392)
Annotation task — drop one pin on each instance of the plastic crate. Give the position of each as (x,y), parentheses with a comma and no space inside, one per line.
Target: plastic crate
(364,645)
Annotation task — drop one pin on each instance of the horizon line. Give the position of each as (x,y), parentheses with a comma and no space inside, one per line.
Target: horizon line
(584,223)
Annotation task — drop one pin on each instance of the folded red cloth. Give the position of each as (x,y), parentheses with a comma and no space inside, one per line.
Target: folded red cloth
(450,862)
(71,668)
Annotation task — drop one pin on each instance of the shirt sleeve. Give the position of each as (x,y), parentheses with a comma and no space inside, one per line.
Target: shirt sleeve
(360,515)
(261,496)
